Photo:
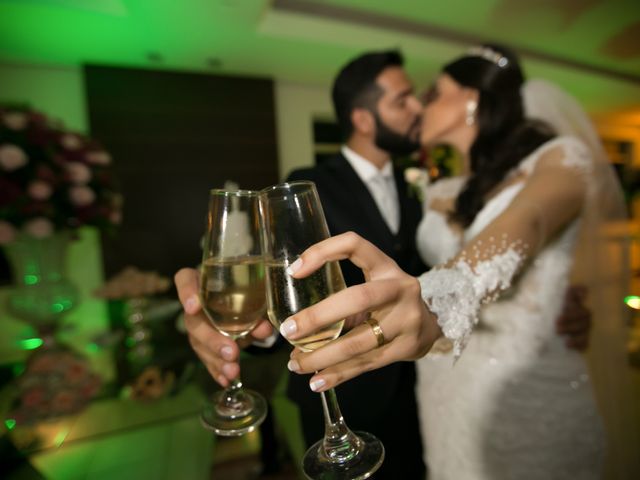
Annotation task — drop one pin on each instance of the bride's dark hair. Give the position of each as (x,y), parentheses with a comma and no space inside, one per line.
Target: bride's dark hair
(505,137)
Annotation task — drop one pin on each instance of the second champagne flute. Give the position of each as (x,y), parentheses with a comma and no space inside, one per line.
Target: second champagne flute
(293,221)
(232,292)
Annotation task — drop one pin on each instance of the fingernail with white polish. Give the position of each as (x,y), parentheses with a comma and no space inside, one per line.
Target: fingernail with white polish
(191,304)
(293,366)
(228,370)
(317,384)
(288,327)
(227,352)
(294,267)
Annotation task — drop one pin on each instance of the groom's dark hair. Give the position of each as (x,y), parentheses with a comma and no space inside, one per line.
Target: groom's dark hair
(355,85)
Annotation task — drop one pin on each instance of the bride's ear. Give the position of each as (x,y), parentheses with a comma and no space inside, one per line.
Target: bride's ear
(363,121)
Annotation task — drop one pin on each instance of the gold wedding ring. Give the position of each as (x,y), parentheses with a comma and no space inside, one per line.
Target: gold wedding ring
(377,331)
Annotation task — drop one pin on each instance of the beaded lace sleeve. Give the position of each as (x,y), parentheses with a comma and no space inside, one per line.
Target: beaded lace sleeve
(556,184)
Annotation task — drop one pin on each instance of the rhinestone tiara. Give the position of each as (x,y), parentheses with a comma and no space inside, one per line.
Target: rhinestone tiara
(489,54)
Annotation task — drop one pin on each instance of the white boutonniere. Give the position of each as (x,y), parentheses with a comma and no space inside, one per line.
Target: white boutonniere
(418,181)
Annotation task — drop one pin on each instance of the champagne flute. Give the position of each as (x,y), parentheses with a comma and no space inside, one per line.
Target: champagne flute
(232,293)
(292,220)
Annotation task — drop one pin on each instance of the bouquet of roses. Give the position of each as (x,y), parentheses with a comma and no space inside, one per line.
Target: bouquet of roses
(52,179)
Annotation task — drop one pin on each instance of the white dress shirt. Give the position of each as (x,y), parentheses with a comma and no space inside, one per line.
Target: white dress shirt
(381,185)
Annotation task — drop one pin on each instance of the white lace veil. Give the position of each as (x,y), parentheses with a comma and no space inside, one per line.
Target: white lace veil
(601,264)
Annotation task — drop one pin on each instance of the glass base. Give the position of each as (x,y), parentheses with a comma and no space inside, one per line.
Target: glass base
(317,466)
(233,423)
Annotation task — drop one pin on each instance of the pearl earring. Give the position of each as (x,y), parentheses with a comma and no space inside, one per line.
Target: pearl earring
(470,118)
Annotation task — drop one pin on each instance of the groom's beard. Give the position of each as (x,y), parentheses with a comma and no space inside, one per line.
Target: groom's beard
(395,143)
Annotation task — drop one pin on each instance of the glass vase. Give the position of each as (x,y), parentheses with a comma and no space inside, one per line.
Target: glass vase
(42,294)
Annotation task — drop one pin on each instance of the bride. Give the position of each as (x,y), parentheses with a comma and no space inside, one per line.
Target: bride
(501,397)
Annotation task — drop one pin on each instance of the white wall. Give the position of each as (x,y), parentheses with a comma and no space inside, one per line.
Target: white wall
(296,107)
(57,92)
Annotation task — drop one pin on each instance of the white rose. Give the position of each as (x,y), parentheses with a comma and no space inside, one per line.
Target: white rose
(414,175)
(70,141)
(79,172)
(81,196)
(418,181)
(39,227)
(39,190)
(116,217)
(15,120)
(99,158)
(12,157)
(7,233)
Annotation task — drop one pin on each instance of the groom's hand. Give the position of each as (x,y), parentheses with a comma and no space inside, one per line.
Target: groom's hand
(220,354)
(575,319)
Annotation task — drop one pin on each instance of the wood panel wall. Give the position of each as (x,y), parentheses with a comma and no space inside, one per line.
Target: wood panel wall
(173,136)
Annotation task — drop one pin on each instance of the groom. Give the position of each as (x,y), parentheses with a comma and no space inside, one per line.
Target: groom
(379,117)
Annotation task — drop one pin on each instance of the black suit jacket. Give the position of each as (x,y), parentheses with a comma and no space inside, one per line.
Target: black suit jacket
(348,206)
(376,397)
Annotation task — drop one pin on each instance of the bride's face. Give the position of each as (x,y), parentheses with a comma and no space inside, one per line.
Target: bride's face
(444,114)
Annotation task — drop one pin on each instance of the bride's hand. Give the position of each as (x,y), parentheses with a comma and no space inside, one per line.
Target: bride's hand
(392,297)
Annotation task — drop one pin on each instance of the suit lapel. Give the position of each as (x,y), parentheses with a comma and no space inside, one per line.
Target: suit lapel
(410,208)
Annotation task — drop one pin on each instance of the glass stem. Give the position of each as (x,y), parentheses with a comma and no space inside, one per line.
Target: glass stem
(233,402)
(233,392)
(340,444)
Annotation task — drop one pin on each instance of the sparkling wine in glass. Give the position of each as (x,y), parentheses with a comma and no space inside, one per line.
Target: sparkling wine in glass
(293,220)
(232,293)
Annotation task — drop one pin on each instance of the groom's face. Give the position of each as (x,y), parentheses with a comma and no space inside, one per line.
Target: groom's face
(397,114)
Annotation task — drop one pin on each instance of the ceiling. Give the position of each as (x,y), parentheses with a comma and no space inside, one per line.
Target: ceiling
(591,47)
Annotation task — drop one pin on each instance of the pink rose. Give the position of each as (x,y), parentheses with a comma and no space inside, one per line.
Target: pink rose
(99,157)
(64,401)
(33,397)
(38,227)
(70,141)
(40,190)
(7,233)
(81,196)
(115,217)
(12,157)
(42,364)
(15,120)
(78,172)
(76,372)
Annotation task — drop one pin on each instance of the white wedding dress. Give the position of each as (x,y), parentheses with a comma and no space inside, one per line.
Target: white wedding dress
(517,403)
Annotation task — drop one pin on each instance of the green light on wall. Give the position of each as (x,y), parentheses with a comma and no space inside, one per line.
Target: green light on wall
(10,423)
(57,307)
(18,368)
(632,301)
(30,343)
(60,437)
(31,279)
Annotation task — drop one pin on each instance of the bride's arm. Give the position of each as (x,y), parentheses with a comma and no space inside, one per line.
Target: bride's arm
(552,197)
